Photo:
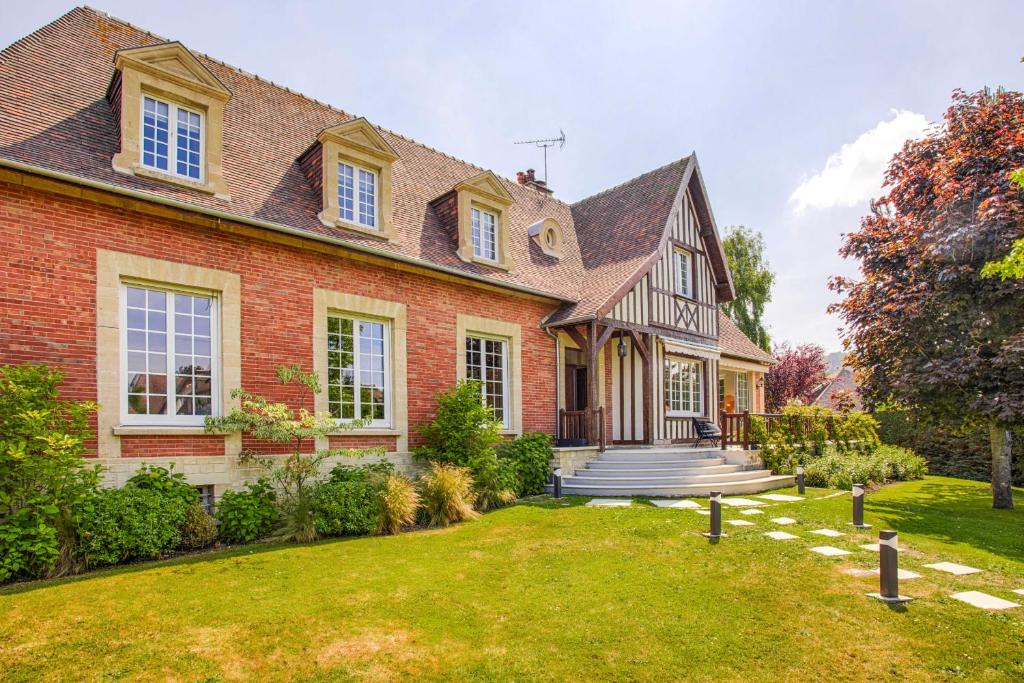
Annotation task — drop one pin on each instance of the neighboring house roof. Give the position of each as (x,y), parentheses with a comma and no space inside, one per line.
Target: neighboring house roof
(735,344)
(54,114)
(843,380)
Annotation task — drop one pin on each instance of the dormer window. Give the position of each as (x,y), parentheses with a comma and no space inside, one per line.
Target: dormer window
(548,236)
(485,227)
(184,155)
(351,165)
(171,110)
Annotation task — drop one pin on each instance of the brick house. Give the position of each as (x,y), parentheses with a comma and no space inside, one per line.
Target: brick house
(175,228)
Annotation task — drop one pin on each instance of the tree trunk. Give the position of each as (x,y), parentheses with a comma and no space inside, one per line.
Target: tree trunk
(1002,445)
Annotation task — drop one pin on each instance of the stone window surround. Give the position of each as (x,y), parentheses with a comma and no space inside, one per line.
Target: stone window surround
(470,325)
(112,269)
(326,302)
(471,195)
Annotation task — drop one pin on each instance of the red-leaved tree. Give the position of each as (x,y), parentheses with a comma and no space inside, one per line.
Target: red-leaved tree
(798,372)
(923,327)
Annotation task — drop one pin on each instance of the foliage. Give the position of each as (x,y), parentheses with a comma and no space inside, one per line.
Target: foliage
(198,530)
(131,523)
(925,329)
(795,376)
(342,473)
(165,482)
(296,477)
(464,429)
(804,432)
(1011,265)
(752,279)
(494,482)
(397,505)
(530,456)
(45,484)
(446,495)
(882,465)
(345,508)
(247,516)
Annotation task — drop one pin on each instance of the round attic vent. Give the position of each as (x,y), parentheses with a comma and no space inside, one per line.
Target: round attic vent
(548,236)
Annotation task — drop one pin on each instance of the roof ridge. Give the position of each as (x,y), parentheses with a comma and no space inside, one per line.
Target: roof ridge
(632,180)
(285,88)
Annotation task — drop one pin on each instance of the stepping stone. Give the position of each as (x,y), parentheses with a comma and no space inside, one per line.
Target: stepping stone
(678,504)
(829,551)
(828,532)
(953,568)
(783,520)
(901,574)
(703,512)
(740,502)
(781,497)
(780,535)
(751,511)
(609,503)
(984,600)
(739,522)
(1019,591)
(873,547)
(857,571)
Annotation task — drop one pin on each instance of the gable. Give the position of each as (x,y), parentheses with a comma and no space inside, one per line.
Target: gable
(361,134)
(174,62)
(486,184)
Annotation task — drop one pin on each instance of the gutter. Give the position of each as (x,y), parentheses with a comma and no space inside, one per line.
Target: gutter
(224,216)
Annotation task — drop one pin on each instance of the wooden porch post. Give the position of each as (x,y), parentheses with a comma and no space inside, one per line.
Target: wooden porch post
(593,400)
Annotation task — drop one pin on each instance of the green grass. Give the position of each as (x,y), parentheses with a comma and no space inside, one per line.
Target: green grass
(550,590)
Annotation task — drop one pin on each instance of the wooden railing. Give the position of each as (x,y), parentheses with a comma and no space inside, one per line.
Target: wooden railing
(573,426)
(736,430)
(736,426)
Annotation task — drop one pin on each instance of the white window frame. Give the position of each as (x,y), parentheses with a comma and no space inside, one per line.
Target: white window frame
(742,397)
(506,412)
(697,406)
(477,229)
(170,419)
(357,369)
(682,261)
(172,139)
(356,217)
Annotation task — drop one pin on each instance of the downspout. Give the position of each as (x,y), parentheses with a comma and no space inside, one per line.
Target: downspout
(558,380)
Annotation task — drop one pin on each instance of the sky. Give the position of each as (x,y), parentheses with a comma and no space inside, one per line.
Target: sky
(793,108)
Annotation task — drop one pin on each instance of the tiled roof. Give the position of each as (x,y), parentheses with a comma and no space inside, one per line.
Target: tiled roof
(734,343)
(619,232)
(843,380)
(54,114)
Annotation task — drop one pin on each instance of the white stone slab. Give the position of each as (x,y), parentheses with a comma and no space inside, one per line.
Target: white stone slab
(984,600)
(703,512)
(953,568)
(783,520)
(751,511)
(780,535)
(609,503)
(781,497)
(858,571)
(739,522)
(740,502)
(1019,591)
(873,547)
(901,574)
(828,532)
(678,504)
(829,551)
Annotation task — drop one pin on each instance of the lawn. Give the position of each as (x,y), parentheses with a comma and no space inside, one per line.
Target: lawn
(551,590)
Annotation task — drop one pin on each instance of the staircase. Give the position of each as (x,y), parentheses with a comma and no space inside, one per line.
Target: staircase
(668,471)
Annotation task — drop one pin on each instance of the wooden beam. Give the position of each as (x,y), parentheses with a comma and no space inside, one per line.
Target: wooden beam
(605,334)
(580,340)
(641,345)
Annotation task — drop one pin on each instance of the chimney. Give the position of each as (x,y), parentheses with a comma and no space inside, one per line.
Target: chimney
(529,178)
(529,175)
(521,177)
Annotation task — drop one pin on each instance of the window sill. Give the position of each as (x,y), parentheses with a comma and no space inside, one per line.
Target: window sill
(509,432)
(163,430)
(363,230)
(369,431)
(152,174)
(497,265)
(683,416)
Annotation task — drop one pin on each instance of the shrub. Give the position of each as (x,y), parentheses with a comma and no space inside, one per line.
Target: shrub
(842,470)
(45,484)
(345,473)
(165,482)
(446,494)
(397,505)
(494,482)
(344,508)
(530,457)
(464,429)
(247,516)
(198,530)
(131,523)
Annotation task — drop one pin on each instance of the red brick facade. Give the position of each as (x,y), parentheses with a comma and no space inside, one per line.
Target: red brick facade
(48,307)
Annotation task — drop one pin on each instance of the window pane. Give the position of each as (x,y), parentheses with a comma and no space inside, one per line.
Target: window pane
(356,383)
(367,198)
(155,125)
(485,362)
(345,191)
(189,124)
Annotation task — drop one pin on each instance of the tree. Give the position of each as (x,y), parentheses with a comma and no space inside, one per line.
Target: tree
(1011,265)
(925,329)
(798,372)
(752,277)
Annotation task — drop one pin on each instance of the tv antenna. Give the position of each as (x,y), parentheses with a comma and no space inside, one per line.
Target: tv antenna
(544,144)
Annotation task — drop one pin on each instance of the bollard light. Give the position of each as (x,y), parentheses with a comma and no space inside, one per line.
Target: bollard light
(716,516)
(800,480)
(888,569)
(557,474)
(858,507)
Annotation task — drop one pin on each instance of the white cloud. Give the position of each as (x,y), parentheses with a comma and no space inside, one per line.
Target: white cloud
(855,173)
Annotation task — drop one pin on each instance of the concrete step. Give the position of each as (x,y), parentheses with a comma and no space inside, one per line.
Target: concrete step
(596,469)
(728,488)
(586,479)
(646,464)
(660,454)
